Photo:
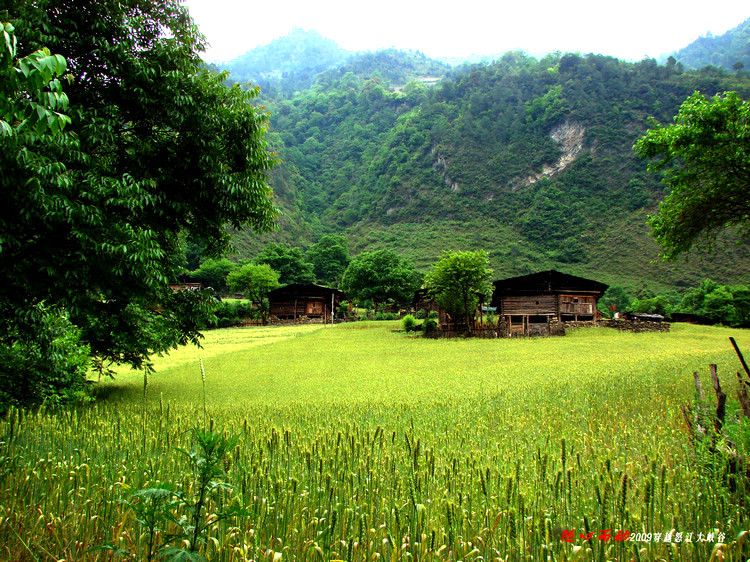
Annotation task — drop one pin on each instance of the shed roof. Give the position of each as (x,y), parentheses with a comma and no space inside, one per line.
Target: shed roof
(548,282)
(302,290)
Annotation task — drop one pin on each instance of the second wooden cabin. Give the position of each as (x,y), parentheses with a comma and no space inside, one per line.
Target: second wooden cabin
(531,304)
(304,301)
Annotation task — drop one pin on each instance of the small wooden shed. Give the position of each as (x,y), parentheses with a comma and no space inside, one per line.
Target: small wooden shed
(424,301)
(297,301)
(529,304)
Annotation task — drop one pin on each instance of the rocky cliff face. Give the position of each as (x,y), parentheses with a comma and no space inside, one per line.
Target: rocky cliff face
(569,136)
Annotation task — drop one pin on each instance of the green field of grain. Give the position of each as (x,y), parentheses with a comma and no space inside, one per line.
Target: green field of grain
(359,442)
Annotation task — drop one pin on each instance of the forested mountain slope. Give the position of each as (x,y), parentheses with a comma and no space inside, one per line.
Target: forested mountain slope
(730,51)
(528,159)
(287,64)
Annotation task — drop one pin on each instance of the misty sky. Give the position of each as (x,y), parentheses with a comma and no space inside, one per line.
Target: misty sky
(629,30)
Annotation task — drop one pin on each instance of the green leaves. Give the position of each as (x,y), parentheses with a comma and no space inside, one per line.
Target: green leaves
(255,281)
(9,41)
(381,276)
(101,187)
(33,96)
(705,159)
(459,281)
(156,509)
(288,263)
(330,258)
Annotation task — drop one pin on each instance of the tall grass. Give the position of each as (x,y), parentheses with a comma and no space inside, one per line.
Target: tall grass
(359,443)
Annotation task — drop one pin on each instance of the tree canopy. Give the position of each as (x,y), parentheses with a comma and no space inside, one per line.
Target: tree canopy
(330,258)
(41,352)
(155,151)
(705,156)
(381,276)
(213,273)
(288,262)
(255,281)
(459,282)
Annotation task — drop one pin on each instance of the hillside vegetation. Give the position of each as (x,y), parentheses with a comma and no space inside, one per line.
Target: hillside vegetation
(528,159)
(730,51)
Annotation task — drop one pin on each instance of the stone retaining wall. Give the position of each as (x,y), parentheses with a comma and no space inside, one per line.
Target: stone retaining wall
(623,325)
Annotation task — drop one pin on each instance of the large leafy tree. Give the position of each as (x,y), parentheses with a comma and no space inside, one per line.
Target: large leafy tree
(157,151)
(614,299)
(213,273)
(41,345)
(330,258)
(459,282)
(255,281)
(381,276)
(288,262)
(705,156)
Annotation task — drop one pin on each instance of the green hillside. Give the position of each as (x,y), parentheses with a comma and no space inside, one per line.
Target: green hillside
(730,51)
(529,159)
(287,64)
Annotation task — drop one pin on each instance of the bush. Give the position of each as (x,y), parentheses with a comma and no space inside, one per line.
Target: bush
(429,328)
(421,314)
(386,316)
(408,323)
(343,310)
(433,314)
(656,305)
(490,319)
(231,313)
(43,360)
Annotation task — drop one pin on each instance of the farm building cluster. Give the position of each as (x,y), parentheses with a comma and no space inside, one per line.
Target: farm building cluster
(539,304)
(536,304)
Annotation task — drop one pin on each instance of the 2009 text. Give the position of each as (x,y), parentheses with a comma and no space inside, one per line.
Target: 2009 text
(621,536)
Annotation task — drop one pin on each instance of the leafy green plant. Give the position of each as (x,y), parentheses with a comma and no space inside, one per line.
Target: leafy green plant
(102,237)
(459,282)
(429,327)
(490,319)
(42,358)
(343,310)
(207,460)
(408,323)
(154,508)
(255,281)
(233,312)
(386,316)
(655,305)
(705,161)
(382,276)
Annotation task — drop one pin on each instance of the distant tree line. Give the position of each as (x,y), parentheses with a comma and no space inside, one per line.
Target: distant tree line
(723,304)
(459,281)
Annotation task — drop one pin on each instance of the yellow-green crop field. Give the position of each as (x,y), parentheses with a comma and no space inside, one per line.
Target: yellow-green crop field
(362,443)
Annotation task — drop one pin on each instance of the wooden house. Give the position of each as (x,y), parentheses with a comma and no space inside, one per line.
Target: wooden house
(531,304)
(297,301)
(423,301)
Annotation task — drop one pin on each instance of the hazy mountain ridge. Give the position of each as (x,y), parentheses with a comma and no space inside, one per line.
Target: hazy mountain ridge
(287,64)
(304,58)
(722,51)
